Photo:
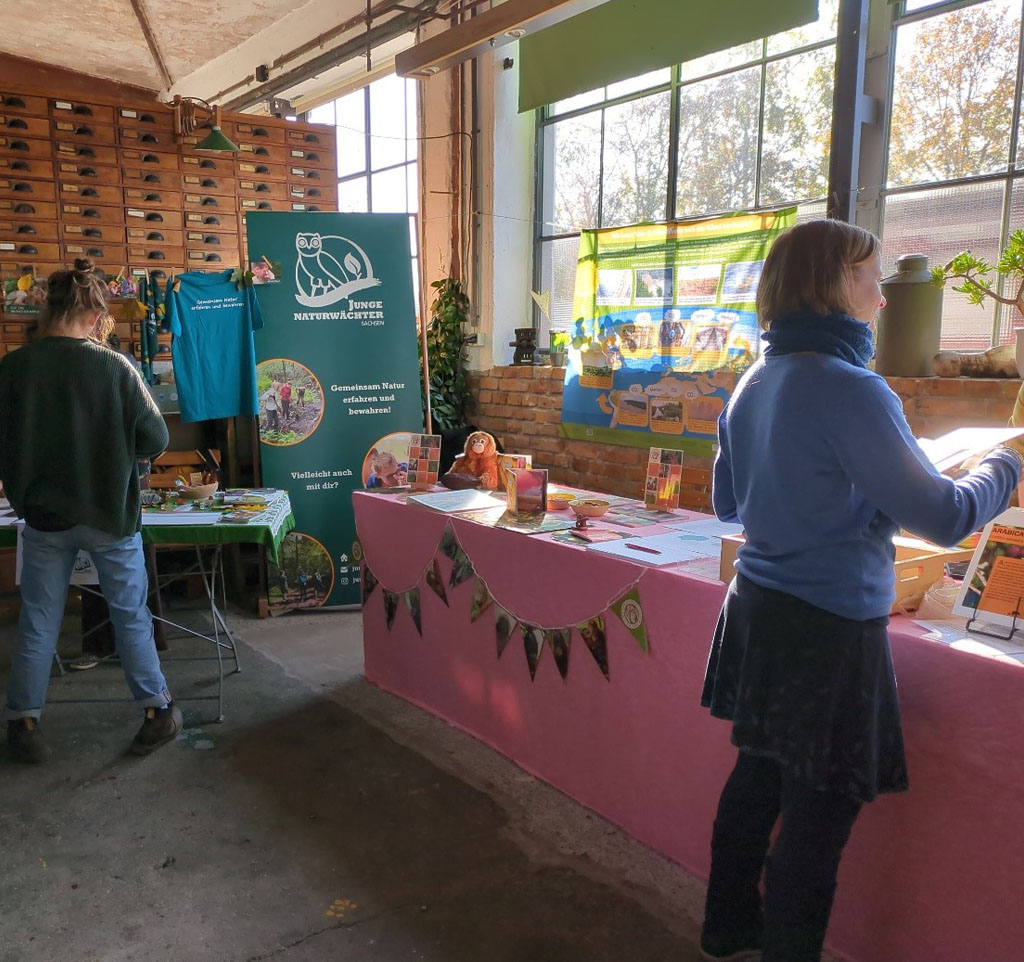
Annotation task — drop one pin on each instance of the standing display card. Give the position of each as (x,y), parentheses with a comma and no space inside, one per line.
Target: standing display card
(993,588)
(528,492)
(424,460)
(507,463)
(664,472)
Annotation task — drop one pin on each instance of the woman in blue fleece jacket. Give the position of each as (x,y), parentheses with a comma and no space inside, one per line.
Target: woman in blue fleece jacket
(817,462)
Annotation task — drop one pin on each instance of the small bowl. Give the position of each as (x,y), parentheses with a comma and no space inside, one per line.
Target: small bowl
(589,507)
(197,492)
(560,500)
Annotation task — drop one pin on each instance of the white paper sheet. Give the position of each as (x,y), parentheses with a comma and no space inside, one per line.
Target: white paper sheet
(662,549)
(181,518)
(712,527)
(952,449)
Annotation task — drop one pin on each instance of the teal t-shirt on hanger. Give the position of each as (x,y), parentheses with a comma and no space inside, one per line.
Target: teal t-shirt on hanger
(214,360)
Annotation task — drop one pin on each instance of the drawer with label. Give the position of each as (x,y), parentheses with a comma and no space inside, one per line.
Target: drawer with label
(202,202)
(14,166)
(209,220)
(246,204)
(29,250)
(312,137)
(144,196)
(196,239)
(83,132)
(152,118)
(90,193)
(13,266)
(152,176)
(89,214)
(17,229)
(262,189)
(255,151)
(300,174)
(110,255)
(93,233)
(311,157)
(14,125)
(142,138)
(27,147)
(156,235)
(156,159)
(87,173)
(205,183)
(12,103)
(16,189)
(253,169)
(258,132)
(221,165)
(153,217)
(208,257)
(315,193)
(96,112)
(86,153)
(28,210)
(169,258)
(16,332)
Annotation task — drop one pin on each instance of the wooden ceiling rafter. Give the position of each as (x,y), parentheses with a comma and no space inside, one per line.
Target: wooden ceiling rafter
(154,49)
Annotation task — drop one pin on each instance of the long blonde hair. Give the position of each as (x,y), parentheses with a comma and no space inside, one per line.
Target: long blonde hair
(71,293)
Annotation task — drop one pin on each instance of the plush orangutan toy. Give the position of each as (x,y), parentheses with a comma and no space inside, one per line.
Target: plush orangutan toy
(477,466)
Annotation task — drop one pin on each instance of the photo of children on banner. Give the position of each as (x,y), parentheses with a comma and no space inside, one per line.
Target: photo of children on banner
(402,461)
(290,399)
(664,472)
(303,576)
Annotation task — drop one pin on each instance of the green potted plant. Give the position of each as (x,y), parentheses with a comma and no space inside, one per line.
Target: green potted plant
(559,346)
(451,400)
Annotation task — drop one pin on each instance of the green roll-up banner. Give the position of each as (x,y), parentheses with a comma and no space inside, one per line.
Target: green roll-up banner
(337,369)
(625,38)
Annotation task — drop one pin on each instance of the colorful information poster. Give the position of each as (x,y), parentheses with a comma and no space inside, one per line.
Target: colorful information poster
(664,323)
(337,370)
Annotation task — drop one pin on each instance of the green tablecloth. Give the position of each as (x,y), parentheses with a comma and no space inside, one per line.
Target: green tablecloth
(267,528)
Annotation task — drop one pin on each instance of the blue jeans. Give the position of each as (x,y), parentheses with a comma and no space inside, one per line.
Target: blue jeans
(47,560)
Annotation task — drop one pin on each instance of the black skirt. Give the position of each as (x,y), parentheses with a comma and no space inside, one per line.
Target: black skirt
(810,688)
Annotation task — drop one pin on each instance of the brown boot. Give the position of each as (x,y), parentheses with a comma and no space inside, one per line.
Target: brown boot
(160,726)
(25,741)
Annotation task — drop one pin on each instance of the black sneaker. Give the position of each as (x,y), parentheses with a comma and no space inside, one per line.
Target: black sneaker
(25,741)
(160,726)
(729,950)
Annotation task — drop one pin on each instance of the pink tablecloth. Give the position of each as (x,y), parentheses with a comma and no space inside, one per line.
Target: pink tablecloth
(932,875)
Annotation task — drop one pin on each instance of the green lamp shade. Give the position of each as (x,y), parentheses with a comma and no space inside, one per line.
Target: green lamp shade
(216,141)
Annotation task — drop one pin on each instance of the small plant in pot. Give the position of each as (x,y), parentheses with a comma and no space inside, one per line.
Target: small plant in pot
(559,346)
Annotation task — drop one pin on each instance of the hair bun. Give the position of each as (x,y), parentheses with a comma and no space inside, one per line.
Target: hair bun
(83,265)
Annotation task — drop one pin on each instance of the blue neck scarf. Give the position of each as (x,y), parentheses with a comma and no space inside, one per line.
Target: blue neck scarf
(836,334)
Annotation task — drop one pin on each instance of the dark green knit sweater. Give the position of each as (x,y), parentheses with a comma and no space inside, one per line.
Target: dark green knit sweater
(74,420)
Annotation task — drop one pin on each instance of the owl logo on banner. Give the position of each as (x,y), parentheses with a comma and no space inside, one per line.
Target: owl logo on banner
(330,269)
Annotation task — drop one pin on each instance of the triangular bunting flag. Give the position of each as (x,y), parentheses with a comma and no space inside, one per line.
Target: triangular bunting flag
(481,599)
(504,626)
(631,614)
(462,569)
(533,643)
(593,634)
(435,581)
(369,582)
(390,606)
(558,640)
(412,602)
(448,544)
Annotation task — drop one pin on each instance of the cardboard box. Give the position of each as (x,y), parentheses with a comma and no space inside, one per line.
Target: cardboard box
(919,564)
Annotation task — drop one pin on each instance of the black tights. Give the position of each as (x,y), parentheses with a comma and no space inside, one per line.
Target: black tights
(800,870)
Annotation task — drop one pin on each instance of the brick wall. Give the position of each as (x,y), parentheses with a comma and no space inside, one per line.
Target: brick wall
(521,406)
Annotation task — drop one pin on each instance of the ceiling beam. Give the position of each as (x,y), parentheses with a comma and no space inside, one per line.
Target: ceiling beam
(495,27)
(154,50)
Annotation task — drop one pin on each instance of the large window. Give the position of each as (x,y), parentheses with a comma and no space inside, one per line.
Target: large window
(955,160)
(744,129)
(377,152)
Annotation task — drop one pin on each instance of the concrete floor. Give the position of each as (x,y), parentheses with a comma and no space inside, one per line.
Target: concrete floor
(323,820)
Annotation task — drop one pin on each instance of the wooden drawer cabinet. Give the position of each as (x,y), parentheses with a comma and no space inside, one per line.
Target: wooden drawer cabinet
(152,218)
(311,157)
(92,215)
(156,177)
(85,153)
(14,166)
(91,193)
(152,197)
(146,159)
(265,152)
(146,138)
(93,233)
(27,147)
(29,251)
(15,103)
(155,235)
(87,174)
(99,114)
(28,210)
(22,231)
(211,220)
(205,183)
(254,169)
(111,256)
(83,132)
(14,125)
(18,189)
(257,132)
(150,118)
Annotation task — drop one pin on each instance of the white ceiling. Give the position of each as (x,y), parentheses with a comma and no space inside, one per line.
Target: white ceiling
(207,46)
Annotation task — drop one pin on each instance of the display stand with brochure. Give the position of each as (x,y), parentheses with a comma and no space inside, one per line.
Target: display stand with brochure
(992,593)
